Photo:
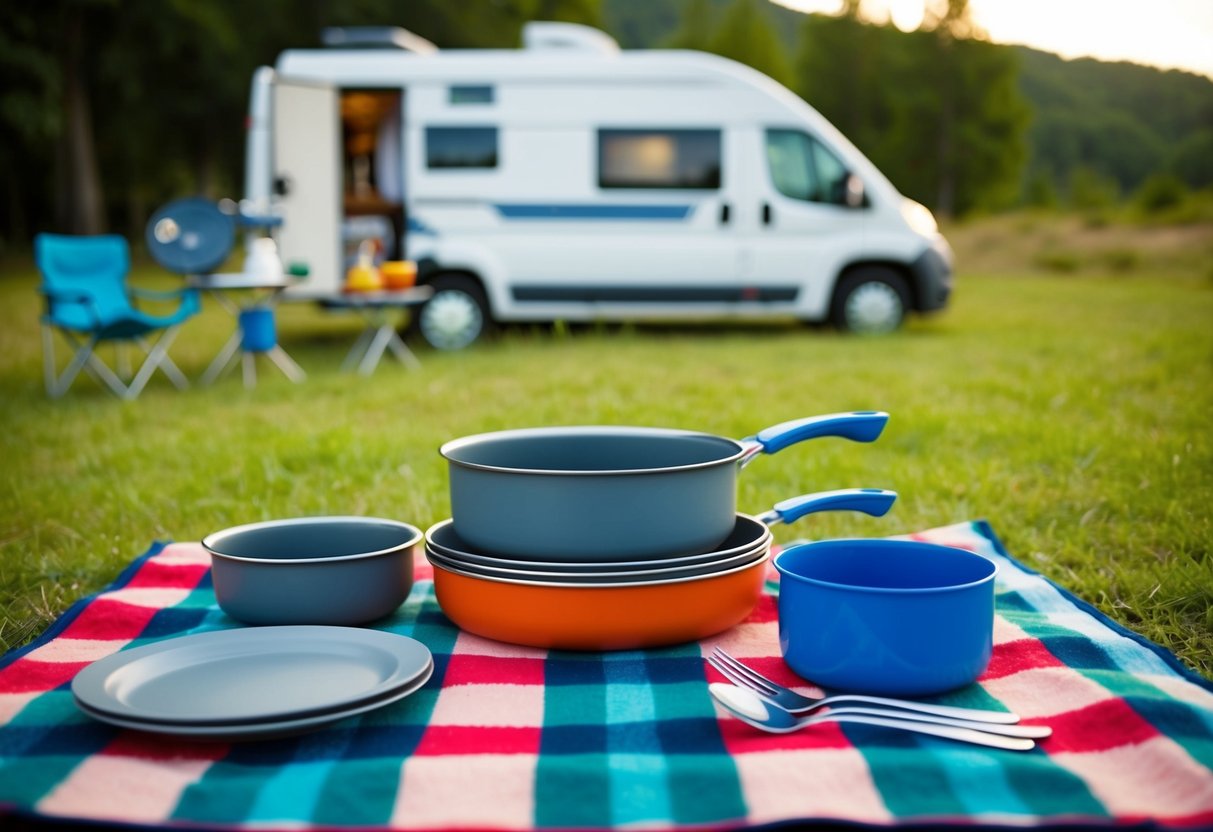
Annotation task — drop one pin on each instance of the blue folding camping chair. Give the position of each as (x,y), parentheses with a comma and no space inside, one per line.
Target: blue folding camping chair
(89,302)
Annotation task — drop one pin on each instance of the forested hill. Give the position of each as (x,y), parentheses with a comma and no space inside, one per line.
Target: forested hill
(110,109)
(1123,119)
(1111,124)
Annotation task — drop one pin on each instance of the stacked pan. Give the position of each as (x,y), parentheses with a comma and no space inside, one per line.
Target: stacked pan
(610,538)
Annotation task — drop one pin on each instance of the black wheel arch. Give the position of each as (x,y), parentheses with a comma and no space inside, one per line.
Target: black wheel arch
(430,270)
(902,270)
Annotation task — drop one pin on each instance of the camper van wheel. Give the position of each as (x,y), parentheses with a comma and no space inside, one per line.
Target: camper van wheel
(455,315)
(870,300)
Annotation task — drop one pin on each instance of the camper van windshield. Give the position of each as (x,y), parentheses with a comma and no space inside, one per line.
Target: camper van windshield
(802,168)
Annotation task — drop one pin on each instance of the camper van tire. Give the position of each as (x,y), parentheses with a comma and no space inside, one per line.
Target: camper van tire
(456,315)
(870,300)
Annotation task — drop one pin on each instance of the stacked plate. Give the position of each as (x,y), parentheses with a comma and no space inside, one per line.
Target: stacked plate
(252,683)
(749,541)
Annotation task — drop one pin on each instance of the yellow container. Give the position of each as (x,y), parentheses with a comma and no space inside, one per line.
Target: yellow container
(363,276)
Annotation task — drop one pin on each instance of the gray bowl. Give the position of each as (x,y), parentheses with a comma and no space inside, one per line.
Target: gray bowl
(313,570)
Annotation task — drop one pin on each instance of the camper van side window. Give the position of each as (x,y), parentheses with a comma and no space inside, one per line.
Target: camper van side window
(461,147)
(469,94)
(803,168)
(683,159)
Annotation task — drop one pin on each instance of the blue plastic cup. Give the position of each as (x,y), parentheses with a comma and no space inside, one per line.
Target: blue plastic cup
(892,617)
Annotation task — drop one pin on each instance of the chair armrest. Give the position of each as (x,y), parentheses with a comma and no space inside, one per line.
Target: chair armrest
(188,297)
(155,294)
(54,298)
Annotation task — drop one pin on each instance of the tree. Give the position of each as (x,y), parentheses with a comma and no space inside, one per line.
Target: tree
(696,29)
(937,109)
(1192,158)
(979,120)
(746,34)
(845,69)
(960,121)
(30,116)
(1161,192)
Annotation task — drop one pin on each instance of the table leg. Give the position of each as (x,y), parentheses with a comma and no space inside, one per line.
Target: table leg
(222,360)
(358,350)
(286,364)
(402,352)
(375,351)
(249,361)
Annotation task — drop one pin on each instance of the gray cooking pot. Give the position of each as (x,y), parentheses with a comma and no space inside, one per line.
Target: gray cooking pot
(613,493)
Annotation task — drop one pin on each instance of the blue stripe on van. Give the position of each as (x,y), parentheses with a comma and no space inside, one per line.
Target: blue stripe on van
(416,226)
(593,212)
(654,293)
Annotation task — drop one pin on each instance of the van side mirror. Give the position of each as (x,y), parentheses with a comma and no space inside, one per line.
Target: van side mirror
(854,196)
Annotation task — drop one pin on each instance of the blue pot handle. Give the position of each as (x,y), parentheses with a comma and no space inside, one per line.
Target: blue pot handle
(859,425)
(873,501)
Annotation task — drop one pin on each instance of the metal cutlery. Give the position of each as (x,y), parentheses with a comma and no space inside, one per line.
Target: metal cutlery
(798,704)
(750,708)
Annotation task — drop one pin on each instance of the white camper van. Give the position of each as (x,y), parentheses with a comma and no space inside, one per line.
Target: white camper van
(570,180)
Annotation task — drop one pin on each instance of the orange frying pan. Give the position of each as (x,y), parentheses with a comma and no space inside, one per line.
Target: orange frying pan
(600,616)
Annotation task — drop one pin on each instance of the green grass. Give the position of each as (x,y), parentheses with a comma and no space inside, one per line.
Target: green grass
(1073,412)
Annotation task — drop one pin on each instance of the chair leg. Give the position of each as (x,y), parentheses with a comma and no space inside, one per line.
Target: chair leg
(84,357)
(48,361)
(122,361)
(100,371)
(158,354)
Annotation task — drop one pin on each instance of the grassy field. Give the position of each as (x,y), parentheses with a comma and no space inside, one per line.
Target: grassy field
(1064,397)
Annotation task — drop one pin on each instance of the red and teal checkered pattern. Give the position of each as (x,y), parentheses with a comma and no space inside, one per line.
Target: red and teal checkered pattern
(506,737)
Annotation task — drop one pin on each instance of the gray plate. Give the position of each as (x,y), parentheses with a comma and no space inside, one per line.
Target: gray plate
(748,534)
(268,729)
(605,577)
(252,675)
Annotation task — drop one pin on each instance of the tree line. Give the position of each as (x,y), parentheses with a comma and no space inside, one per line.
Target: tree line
(957,122)
(108,108)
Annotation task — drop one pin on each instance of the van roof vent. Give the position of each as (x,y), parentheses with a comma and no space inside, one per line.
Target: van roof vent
(545,35)
(375,37)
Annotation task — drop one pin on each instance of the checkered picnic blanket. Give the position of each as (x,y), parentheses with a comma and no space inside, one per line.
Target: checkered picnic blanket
(506,737)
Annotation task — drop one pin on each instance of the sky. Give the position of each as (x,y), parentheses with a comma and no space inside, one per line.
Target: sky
(1171,34)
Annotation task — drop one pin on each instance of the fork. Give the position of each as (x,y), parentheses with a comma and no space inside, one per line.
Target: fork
(799,705)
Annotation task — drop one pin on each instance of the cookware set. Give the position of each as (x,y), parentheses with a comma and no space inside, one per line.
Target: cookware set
(576,538)
(613,606)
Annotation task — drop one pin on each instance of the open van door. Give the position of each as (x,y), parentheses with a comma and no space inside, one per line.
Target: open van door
(306,181)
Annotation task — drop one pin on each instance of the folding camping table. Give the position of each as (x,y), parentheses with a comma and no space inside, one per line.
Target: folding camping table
(380,313)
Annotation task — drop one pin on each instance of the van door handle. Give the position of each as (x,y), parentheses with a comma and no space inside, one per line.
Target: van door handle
(724,213)
(766,213)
